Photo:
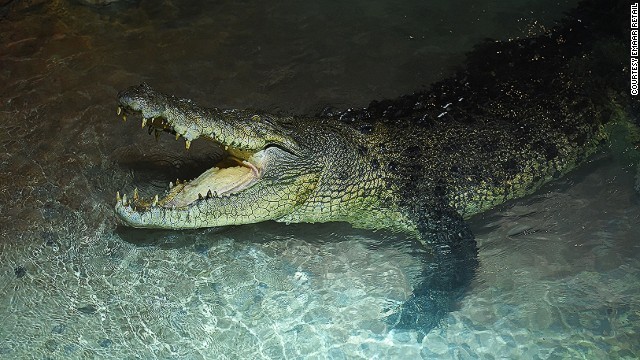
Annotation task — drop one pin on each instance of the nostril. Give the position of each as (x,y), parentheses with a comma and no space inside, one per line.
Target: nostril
(136,94)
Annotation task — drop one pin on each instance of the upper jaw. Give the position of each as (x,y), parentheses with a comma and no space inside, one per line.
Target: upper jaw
(240,130)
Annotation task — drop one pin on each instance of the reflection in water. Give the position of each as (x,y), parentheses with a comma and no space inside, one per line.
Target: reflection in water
(558,271)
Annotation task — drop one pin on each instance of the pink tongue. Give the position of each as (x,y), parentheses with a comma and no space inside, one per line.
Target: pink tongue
(219,181)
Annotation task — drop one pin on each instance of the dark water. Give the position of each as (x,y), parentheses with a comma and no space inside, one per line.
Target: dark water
(559,275)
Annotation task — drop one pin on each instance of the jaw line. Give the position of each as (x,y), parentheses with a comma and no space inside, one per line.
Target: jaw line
(261,202)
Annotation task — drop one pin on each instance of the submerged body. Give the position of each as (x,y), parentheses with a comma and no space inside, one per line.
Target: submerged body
(522,113)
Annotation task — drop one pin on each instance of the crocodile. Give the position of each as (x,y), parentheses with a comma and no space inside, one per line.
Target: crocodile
(521,113)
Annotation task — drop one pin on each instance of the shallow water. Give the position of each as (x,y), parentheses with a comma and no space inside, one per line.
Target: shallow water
(559,271)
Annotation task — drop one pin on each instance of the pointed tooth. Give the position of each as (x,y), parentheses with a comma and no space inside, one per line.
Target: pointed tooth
(124,117)
(119,110)
(124,199)
(209,195)
(155,200)
(118,198)
(144,122)
(187,144)
(200,196)
(135,194)
(226,148)
(170,184)
(177,136)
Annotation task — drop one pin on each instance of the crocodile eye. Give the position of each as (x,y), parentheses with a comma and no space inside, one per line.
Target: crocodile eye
(279,147)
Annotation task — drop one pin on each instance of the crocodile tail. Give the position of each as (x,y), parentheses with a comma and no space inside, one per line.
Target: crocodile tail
(446,275)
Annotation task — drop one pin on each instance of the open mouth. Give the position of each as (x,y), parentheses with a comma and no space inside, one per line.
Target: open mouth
(238,170)
(251,183)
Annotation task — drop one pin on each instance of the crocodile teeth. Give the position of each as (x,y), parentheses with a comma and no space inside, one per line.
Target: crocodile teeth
(155,200)
(200,196)
(187,144)
(209,195)
(177,136)
(118,198)
(135,194)
(144,122)
(124,200)
(170,184)
(124,117)
(119,110)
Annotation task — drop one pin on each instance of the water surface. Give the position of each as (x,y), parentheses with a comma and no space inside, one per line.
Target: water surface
(559,274)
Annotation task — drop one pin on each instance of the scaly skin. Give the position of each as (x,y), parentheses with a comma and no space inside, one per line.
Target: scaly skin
(522,113)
